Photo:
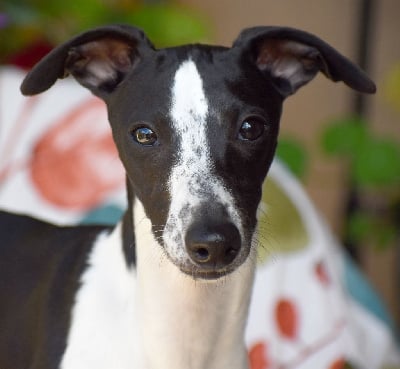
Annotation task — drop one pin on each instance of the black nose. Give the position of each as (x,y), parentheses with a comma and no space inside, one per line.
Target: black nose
(213,246)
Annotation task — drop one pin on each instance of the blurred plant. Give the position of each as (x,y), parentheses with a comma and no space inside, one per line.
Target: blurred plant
(29,29)
(293,153)
(374,168)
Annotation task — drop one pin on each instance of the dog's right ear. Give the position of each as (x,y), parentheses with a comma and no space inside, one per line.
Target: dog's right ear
(98,59)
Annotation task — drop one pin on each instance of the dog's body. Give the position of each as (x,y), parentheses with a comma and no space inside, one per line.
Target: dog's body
(169,287)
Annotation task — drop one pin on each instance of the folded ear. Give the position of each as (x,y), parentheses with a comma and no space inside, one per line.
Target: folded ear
(292,58)
(98,59)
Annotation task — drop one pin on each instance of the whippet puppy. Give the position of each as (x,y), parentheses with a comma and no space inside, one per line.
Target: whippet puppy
(196,129)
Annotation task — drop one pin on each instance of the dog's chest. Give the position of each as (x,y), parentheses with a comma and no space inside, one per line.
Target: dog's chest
(102,331)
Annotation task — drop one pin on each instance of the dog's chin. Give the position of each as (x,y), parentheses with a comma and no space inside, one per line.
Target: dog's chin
(208,274)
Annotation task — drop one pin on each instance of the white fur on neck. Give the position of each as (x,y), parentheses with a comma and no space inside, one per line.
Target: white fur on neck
(184,323)
(103,327)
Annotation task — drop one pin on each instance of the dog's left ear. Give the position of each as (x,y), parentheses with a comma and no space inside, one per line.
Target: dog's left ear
(292,58)
(99,59)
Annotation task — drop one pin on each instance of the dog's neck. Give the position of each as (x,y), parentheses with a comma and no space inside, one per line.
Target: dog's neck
(184,323)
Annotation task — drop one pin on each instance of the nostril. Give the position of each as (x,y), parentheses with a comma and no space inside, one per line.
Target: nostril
(203,255)
(213,246)
(231,252)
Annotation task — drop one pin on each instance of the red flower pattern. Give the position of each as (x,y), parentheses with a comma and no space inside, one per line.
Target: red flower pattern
(75,164)
(286,317)
(258,356)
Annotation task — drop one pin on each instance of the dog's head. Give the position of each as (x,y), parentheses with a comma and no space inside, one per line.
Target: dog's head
(196,126)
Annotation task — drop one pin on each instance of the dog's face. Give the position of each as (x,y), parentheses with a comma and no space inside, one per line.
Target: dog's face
(196,127)
(196,154)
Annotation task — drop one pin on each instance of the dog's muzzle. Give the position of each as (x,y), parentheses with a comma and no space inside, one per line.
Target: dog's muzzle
(209,239)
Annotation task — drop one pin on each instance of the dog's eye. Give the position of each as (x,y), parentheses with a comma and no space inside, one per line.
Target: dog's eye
(251,129)
(144,136)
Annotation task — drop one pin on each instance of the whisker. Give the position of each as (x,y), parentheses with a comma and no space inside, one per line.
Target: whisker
(137,223)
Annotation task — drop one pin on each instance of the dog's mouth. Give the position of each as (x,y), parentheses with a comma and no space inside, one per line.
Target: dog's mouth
(210,272)
(202,272)
(208,275)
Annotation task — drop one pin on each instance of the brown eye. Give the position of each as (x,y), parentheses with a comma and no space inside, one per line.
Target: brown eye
(144,136)
(251,129)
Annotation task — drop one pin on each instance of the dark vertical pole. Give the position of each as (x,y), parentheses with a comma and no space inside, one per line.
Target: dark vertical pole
(364,31)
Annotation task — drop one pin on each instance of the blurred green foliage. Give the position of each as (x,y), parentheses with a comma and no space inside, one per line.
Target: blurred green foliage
(374,169)
(294,155)
(375,160)
(24,22)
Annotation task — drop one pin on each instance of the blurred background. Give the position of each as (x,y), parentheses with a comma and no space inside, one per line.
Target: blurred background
(344,147)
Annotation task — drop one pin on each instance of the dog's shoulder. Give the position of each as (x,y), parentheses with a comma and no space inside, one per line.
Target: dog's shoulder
(32,249)
(23,231)
(40,270)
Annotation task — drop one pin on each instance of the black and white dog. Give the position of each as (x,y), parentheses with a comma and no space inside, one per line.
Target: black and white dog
(196,129)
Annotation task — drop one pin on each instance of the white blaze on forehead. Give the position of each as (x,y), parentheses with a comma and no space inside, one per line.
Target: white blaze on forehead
(189,117)
(193,179)
(188,99)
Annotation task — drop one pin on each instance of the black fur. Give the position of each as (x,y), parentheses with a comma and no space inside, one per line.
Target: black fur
(40,268)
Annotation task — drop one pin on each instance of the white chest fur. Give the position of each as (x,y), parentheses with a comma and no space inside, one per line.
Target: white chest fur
(184,323)
(102,333)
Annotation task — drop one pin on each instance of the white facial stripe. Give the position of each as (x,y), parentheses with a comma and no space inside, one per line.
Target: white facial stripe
(192,179)
(188,99)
